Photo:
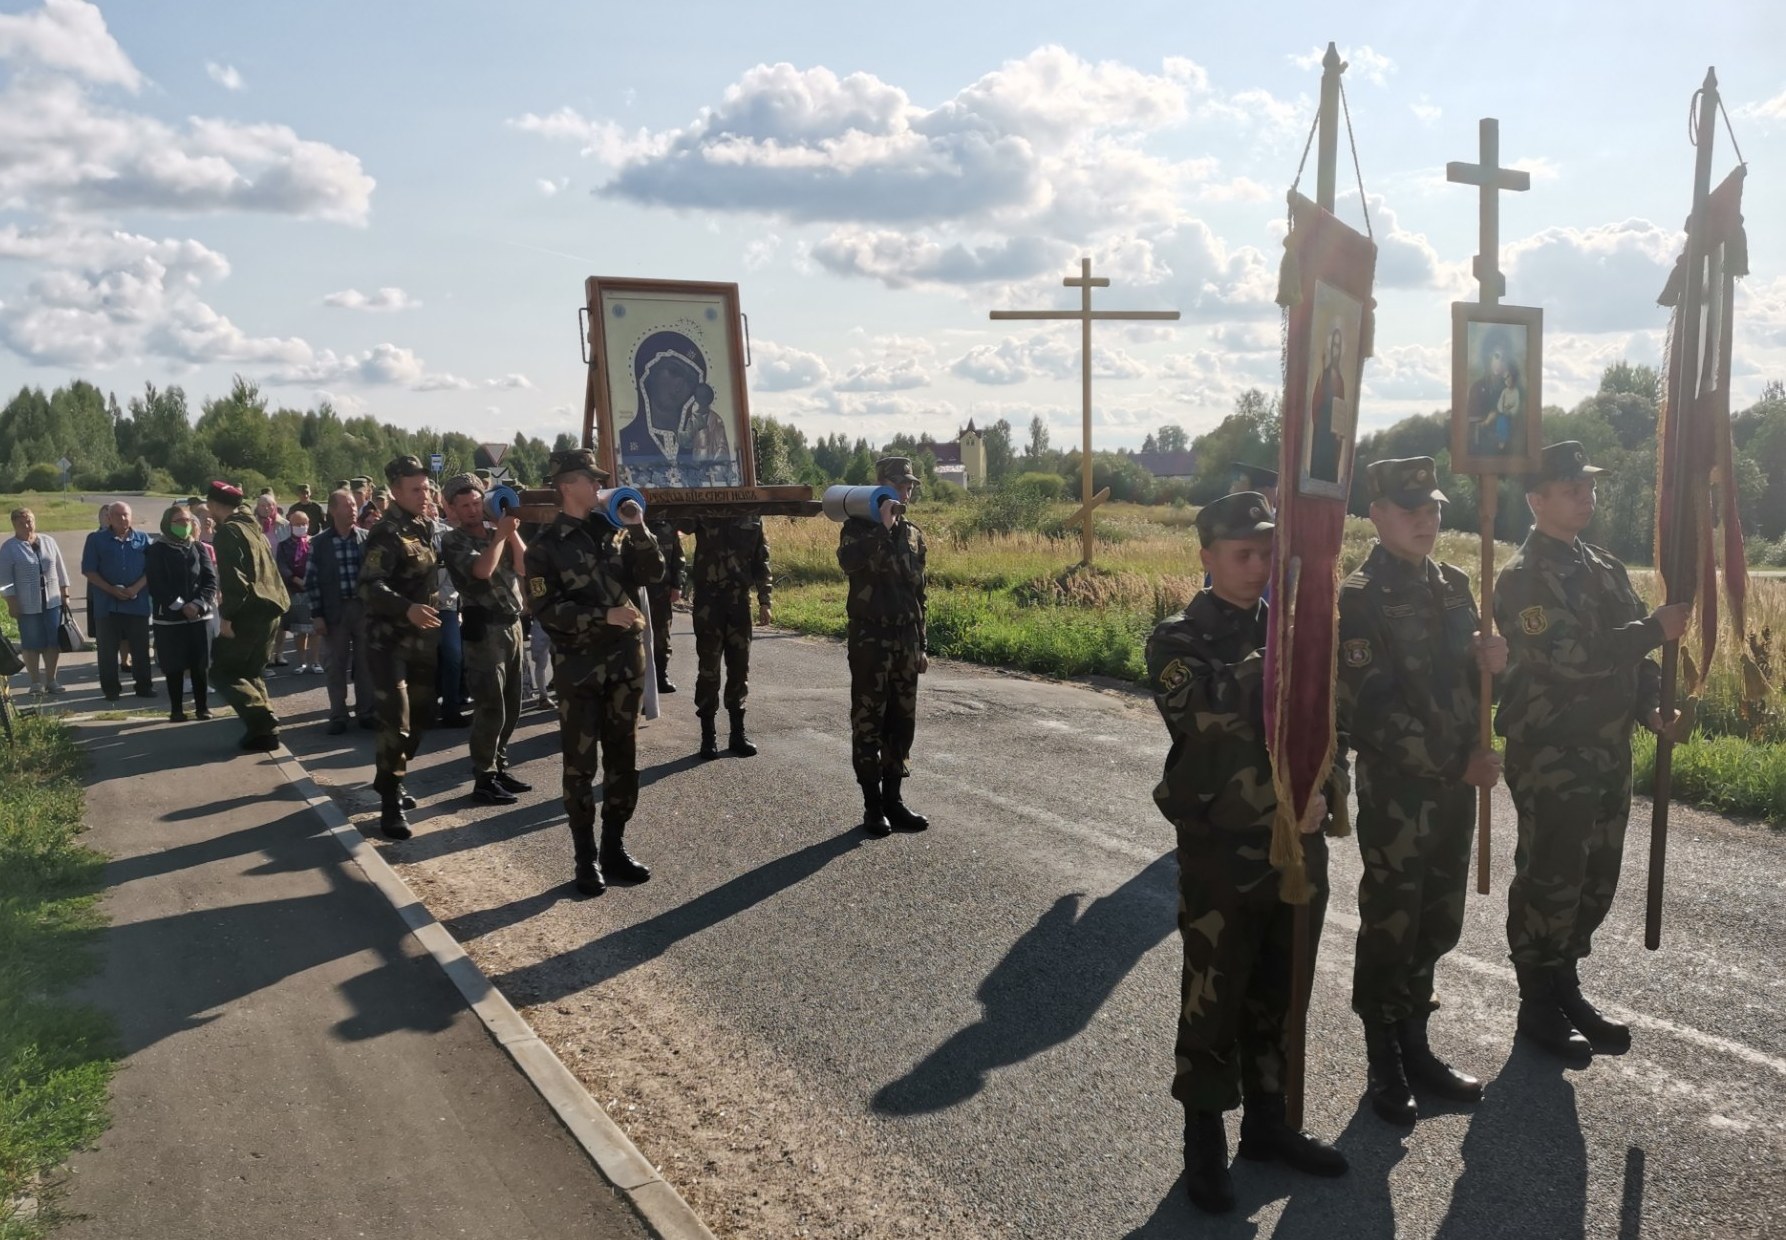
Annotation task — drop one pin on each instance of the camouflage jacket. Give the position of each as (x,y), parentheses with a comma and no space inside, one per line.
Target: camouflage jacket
(1408,686)
(886,572)
(669,541)
(498,596)
(1577,639)
(248,583)
(576,570)
(400,571)
(731,557)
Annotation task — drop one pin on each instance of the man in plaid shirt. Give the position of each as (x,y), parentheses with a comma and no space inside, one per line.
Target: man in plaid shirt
(336,555)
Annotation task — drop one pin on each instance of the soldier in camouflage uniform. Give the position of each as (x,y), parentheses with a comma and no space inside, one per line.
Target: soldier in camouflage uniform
(251,600)
(731,557)
(1410,662)
(884,561)
(486,567)
(1206,669)
(663,595)
(400,587)
(584,578)
(1579,680)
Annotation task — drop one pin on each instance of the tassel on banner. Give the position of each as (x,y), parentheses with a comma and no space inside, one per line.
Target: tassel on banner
(1286,856)
(1289,276)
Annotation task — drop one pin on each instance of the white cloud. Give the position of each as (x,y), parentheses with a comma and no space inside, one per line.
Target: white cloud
(760,252)
(1373,66)
(902,259)
(1247,338)
(1240,189)
(778,368)
(1773,109)
(225,76)
(68,36)
(443,382)
(884,377)
(381,364)
(1407,259)
(1426,111)
(550,188)
(1410,372)
(1599,279)
(379,301)
(511,381)
(1044,355)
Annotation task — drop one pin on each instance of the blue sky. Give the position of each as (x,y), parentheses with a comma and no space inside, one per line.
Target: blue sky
(393,205)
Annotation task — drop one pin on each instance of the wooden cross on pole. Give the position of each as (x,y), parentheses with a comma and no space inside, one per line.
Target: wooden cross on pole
(1085,282)
(1490,178)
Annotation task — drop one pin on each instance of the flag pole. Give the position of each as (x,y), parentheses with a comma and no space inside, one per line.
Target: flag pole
(1685,395)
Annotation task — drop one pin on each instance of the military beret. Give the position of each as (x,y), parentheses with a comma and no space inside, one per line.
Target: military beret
(894,469)
(403,467)
(1563,462)
(572,460)
(1240,515)
(458,484)
(1409,482)
(220,492)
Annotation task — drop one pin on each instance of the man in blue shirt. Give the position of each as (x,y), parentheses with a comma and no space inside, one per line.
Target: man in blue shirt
(117,575)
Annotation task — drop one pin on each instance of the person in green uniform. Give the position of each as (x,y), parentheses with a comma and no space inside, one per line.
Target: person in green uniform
(731,560)
(1410,694)
(487,565)
(663,596)
(251,601)
(1206,669)
(400,587)
(1579,680)
(584,576)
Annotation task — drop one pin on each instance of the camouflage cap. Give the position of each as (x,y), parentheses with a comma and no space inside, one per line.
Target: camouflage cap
(894,469)
(1407,482)
(344,484)
(458,484)
(403,467)
(1563,462)
(572,460)
(359,480)
(1240,515)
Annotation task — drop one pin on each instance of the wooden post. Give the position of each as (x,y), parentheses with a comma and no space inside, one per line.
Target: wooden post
(1490,178)
(1686,340)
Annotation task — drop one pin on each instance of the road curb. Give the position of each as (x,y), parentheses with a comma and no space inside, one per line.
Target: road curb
(657,1203)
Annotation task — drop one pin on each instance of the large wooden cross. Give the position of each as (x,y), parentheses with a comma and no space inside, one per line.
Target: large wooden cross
(1490,178)
(1086,282)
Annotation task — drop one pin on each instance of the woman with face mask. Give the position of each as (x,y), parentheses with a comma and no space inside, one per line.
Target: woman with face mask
(293,558)
(183,588)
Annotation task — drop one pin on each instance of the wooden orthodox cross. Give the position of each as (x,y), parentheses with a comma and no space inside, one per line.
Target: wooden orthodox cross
(1085,282)
(1490,179)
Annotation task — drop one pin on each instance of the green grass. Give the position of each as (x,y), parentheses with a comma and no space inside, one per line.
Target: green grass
(1724,773)
(57,512)
(56,1056)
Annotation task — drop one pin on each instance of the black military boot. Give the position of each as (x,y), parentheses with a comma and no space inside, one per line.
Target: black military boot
(1207,1180)
(589,879)
(1265,1135)
(1602,1032)
(740,744)
(1427,1070)
(509,782)
(874,818)
(898,816)
(618,864)
(663,682)
(391,820)
(1541,1018)
(488,792)
(1390,1094)
(709,738)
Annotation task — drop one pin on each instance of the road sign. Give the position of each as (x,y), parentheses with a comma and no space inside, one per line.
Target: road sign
(495,451)
(500,473)
(437,462)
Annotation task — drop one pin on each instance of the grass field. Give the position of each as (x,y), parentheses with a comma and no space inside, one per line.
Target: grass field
(56,1056)
(56,511)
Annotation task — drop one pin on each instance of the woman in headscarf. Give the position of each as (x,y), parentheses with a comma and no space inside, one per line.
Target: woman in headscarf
(293,558)
(183,588)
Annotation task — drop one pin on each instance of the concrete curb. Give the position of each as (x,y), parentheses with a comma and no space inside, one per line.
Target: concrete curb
(665,1214)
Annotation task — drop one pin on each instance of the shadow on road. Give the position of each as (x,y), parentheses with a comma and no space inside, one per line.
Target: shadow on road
(1046,989)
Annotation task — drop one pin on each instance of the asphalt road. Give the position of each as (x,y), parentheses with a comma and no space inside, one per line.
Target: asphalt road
(995,999)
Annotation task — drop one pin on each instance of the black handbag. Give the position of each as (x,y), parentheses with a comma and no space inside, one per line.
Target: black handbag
(69,638)
(11,664)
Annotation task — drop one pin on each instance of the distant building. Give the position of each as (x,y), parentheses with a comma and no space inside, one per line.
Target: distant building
(962,463)
(1167,465)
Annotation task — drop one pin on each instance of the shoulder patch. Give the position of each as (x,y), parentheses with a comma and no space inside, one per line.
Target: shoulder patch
(1532,621)
(1174,675)
(537,587)
(1356,652)
(375,560)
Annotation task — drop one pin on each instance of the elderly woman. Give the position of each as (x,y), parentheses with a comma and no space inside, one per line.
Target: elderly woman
(183,587)
(293,558)
(34,581)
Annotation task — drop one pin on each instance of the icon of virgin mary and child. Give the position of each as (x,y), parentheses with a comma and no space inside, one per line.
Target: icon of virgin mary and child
(677,438)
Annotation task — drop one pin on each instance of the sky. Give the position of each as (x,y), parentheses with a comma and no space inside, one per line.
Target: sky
(392,206)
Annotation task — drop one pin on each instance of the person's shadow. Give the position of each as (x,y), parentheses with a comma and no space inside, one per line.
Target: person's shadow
(1046,990)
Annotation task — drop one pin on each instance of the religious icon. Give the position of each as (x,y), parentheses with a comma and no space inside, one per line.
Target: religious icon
(669,402)
(1334,371)
(1495,388)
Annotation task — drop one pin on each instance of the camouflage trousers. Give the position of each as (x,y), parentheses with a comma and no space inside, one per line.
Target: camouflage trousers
(1234,1002)
(1573,805)
(722,632)
(662,613)
(883,699)
(599,695)
(403,700)
(493,678)
(238,672)
(1415,835)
